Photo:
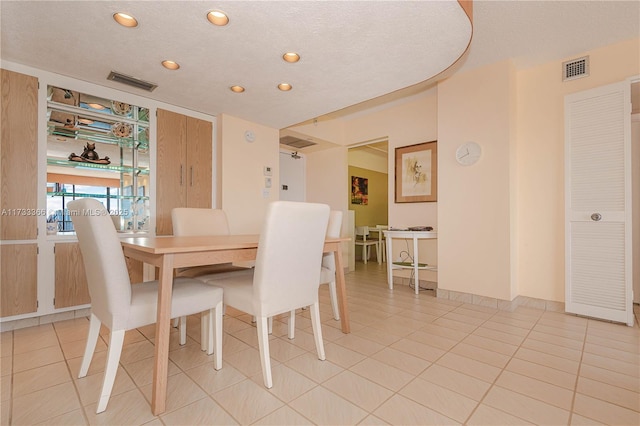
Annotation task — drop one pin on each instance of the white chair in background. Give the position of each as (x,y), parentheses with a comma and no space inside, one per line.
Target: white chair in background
(287,272)
(121,306)
(382,244)
(193,222)
(328,271)
(362,235)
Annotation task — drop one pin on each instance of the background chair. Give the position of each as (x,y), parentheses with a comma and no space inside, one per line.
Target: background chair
(193,222)
(362,235)
(328,270)
(287,272)
(382,244)
(121,306)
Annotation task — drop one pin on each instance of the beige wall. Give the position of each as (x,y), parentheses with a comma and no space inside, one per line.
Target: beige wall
(540,138)
(475,202)
(409,121)
(242,175)
(502,219)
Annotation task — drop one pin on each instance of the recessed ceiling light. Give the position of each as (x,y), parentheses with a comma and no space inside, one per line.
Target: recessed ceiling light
(285,87)
(218,18)
(237,89)
(125,20)
(170,65)
(85,121)
(291,57)
(96,106)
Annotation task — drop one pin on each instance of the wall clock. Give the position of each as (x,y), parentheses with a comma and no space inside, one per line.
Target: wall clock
(249,136)
(468,153)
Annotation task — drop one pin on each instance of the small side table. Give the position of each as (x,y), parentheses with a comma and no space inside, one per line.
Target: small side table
(416,265)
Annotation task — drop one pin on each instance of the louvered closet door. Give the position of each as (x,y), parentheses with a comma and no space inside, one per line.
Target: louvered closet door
(598,203)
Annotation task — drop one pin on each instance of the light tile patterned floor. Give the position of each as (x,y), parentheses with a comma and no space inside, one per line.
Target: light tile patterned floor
(409,360)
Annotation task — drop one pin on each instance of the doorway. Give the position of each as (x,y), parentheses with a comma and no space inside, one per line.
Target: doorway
(292,176)
(368,182)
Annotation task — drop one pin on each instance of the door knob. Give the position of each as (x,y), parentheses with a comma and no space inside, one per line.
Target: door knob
(596,217)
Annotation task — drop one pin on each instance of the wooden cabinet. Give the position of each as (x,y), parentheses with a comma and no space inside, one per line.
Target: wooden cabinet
(71,279)
(184,166)
(18,156)
(19,289)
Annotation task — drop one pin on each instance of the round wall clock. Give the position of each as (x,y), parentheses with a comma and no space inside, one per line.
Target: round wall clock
(249,136)
(468,153)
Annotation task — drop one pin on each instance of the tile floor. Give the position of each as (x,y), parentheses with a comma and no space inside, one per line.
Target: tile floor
(409,360)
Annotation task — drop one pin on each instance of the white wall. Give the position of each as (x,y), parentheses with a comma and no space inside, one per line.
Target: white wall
(242,172)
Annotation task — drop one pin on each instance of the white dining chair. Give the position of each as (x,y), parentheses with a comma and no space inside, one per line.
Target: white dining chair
(327,272)
(193,222)
(362,235)
(382,243)
(121,306)
(287,272)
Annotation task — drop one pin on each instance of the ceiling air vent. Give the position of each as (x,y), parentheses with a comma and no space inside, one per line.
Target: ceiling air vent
(295,142)
(576,68)
(131,81)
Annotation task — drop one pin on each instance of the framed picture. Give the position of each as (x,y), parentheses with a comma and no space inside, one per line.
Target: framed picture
(417,173)
(359,190)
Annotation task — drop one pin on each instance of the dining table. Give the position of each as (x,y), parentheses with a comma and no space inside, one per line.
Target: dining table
(170,252)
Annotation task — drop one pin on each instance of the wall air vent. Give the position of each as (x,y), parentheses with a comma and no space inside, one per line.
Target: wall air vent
(576,68)
(131,81)
(295,142)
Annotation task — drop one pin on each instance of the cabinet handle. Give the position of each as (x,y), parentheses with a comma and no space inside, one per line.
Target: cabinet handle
(191,170)
(181,180)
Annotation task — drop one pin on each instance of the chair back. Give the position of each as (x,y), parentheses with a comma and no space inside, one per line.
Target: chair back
(191,222)
(333,231)
(104,263)
(362,232)
(289,257)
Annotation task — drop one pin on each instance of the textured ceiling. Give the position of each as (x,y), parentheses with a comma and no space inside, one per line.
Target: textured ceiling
(351,51)
(355,54)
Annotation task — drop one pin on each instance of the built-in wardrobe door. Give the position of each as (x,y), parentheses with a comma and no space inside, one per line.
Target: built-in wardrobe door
(598,274)
(19,159)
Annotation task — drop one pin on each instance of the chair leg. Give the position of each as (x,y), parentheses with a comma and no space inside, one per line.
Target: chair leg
(175,323)
(205,332)
(378,254)
(270,323)
(292,324)
(113,358)
(365,254)
(183,331)
(334,300)
(90,347)
(263,345)
(317,330)
(215,324)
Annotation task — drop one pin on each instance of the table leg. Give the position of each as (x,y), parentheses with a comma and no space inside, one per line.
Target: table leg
(415,265)
(342,291)
(161,366)
(389,263)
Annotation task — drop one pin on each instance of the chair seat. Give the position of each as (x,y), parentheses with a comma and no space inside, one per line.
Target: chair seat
(188,296)
(236,287)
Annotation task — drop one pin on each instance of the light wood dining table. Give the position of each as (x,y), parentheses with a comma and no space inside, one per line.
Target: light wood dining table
(169,252)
